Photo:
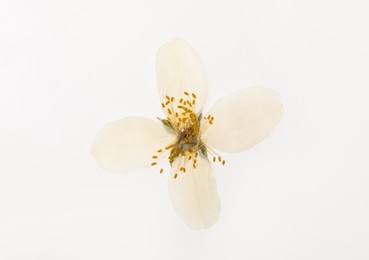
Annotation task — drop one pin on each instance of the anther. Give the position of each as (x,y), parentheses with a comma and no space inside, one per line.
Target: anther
(169,111)
(161,170)
(162,105)
(172,99)
(220,158)
(168,147)
(181,100)
(186,93)
(175,176)
(153,164)
(214,159)
(193,95)
(155,157)
(159,151)
(223,162)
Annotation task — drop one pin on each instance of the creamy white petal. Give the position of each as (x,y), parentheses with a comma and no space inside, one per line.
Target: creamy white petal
(194,194)
(129,143)
(243,119)
(179,69)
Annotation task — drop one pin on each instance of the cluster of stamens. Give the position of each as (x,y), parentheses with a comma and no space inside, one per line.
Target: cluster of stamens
(181,118)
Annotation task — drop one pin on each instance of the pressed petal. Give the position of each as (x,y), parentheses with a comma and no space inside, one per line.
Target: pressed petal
(194,193)
(179,70)
(129,143)
(243,119)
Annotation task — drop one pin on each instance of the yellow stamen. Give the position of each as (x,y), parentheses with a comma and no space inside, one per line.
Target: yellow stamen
(168,147)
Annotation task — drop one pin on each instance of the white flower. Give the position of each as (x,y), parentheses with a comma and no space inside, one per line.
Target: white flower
(186,136)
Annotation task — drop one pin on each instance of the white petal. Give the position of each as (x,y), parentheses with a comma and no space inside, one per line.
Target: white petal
(243,119)
(179,70)
(129,143)
(194,194)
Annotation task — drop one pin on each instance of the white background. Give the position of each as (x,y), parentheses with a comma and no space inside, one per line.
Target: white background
(69,67)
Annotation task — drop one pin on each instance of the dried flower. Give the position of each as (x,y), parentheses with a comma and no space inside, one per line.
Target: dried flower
(186,136)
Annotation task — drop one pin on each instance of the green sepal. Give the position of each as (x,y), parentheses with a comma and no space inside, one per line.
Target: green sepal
(166,122)
(203,150)
(199,117)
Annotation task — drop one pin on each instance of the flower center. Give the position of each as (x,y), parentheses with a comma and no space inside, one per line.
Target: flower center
(188,139)
(181,118)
